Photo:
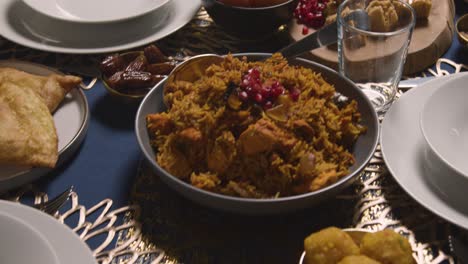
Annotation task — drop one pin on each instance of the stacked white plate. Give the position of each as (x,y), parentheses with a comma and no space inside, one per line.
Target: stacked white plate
(31,236)
(90,26)
(424,140)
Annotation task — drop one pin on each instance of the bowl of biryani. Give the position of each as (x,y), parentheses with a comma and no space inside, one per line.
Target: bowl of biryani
(354,245)
(258,136)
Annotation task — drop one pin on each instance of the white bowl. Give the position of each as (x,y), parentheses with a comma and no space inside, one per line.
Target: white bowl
(92,11)
(20,243)
(444,124)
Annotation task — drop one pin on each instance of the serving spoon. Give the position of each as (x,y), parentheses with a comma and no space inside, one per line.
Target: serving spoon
(193,68)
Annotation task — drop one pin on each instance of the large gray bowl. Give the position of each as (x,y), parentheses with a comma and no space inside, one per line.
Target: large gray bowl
(363,151)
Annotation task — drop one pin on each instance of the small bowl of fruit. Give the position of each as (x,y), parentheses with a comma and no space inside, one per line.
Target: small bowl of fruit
(131,75)
(250,18)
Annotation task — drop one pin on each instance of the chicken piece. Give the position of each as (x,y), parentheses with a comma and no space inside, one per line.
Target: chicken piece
(159,123)
(303,128)
(323,179)
(191,135)
(222,153)
(307,165)
(383,15)
(264,135)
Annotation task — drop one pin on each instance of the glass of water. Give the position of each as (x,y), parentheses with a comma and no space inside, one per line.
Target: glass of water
(373,40)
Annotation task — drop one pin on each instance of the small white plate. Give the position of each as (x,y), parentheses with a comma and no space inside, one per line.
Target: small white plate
(17,238)
(92,11)
(23,25)
(65,244)
(444,124)
(71,121)
(403,149)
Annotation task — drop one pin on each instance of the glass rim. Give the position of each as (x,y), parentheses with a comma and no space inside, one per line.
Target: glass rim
(406,28)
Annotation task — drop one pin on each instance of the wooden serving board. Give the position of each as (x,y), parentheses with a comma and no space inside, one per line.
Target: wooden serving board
(431,38)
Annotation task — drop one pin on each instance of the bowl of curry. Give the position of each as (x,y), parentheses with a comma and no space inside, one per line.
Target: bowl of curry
(258,134)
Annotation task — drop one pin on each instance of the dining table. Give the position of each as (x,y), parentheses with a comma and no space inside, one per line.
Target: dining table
(152,223)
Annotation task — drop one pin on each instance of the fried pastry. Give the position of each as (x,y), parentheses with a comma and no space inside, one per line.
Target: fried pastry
(422,8)
(52,89)
(27,130)
(383,16)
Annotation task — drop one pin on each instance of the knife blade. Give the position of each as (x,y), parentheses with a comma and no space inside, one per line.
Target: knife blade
(323,37)
(411,83)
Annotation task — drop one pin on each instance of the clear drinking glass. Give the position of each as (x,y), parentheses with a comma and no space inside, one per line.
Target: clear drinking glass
(371,52)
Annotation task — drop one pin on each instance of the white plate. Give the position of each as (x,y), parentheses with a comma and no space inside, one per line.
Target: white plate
(17,238)
(23,25)
(66,245)
(92,11)
(403,148)
(71,121)
(444,124)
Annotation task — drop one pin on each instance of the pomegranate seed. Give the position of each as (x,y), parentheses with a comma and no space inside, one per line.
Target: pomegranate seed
(310,13)
(277,91)
(294,94)
(244,83)
(305,30)
(243,96)
(265,91)
(258,98)
(250,91)
(267,105)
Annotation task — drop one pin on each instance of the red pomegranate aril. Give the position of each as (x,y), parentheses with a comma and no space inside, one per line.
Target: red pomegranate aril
(265,91)
(258,98)
(277,91)
(243,96)
(310,13)
(305,30)
(294,94)
(244,83)
(250,91)
(267,105)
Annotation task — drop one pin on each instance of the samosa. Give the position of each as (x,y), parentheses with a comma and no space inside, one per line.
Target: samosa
(27,130)
(52,89)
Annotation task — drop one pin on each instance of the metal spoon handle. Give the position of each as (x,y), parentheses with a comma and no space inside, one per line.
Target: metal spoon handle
(325,36)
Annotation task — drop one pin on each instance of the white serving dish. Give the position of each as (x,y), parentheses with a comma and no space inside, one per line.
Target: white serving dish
(444,124)
(92,11)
